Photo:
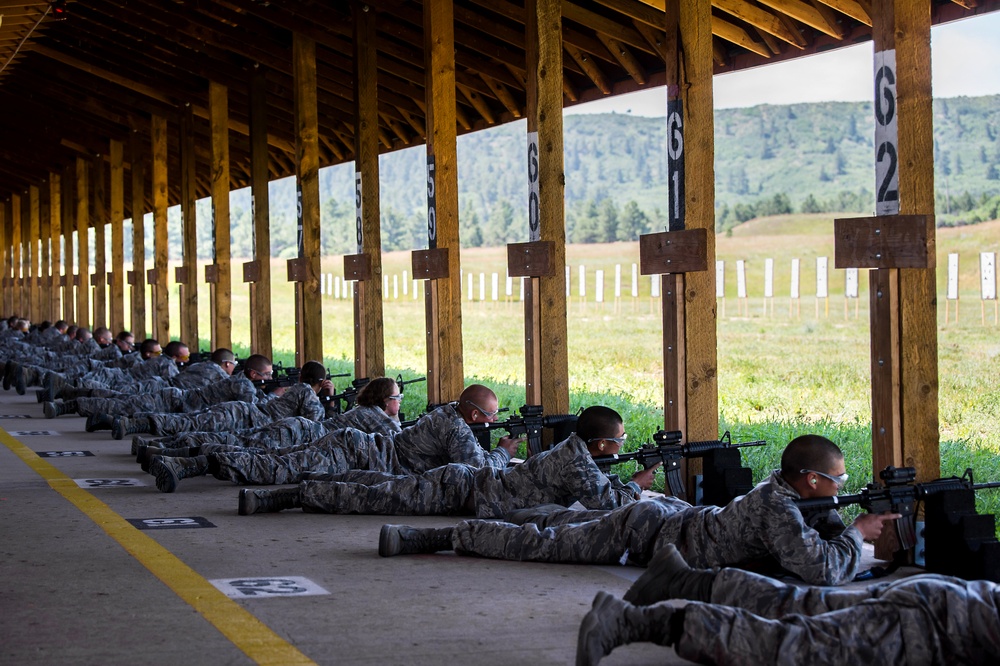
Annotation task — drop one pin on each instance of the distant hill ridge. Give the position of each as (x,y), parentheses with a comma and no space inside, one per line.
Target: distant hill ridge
(770,159)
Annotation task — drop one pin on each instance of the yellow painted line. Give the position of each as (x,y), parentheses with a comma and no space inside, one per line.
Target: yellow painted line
(245,631)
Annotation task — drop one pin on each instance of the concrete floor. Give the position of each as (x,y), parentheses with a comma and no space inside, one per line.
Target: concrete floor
(79,585)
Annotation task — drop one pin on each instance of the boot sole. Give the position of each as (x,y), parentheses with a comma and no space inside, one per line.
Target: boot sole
(166,481)
(388,541)
(248,502)
(49,409)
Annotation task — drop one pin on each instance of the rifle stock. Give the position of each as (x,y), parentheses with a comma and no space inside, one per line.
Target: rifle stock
(528,424)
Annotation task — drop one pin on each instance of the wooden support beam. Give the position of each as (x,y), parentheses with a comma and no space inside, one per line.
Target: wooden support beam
(503,94)
(901,30)
(5,290)
(187,287)
(309,307)
(34,246)
(138,273)
(45,268)
(546,351)
(100,220)
(116,319)
(19,307)
(625,57)
(589,65)
(82,244)
(369,345)
(443,295)
(260,289)
(220,291)
(55,246)
(851,8)
(737,35)
(761,19)
(161,297)
(478,103)
(69,224)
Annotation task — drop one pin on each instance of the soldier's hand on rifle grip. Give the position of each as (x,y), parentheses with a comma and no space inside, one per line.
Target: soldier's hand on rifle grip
(644,478)
(871,524)
(326,387)
(279,391)
(510,444)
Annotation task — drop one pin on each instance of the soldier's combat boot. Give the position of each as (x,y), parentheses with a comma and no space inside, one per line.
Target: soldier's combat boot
(406,540)
(668,576)
(44,395)
(169,471)
(612,622)
(20,380)
(97,422)
(8,374)
(56,383)
(54,409)
(124,425)
(262,500)
(139,440)
(146,454)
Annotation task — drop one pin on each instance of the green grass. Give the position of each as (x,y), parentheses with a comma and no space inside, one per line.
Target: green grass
(779,375)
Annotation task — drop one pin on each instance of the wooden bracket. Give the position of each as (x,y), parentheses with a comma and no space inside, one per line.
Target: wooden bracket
(212,273)
(886,241)
(181,274)
(151,276)
(357,267)
(130,277)
(97,279)
(298,269)
(62,280)
(532,259)
(430,264)
(76,280)
(682,251)
(251,271)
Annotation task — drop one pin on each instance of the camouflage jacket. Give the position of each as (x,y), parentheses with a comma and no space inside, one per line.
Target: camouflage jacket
(440,437)
(564,474)
(366,419)
(198,375)
(297,400)
(764,522)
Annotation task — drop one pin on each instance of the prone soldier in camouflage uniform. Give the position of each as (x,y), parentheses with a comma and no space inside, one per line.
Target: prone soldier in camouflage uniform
(437,438)
(765,524)
(739,618)
(211,383)
(376,410)
(564,474)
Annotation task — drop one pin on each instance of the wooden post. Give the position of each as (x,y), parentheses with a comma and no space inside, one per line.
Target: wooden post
(442,295)
(116,320)
(308,305)
(45,270)
(69,223)
(260,286)
(161,298)
(24,255)
(5,289)
(221,288)
(100,259)
(55,238)
(34,246)
(904,329)
(187,273)
(547,367)
(82,278)
(138,274)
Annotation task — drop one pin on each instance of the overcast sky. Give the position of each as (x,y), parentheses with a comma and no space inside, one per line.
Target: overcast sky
(961,51)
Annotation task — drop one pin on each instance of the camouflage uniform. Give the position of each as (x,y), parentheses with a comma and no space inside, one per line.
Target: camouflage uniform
(123,380)
(168,399)
(436,439)
(299,399)
(926,619)
(564,474)
(288,434)
(764,523)
(197,375)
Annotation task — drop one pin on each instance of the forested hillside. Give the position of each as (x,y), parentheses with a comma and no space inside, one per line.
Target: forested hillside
(769,160)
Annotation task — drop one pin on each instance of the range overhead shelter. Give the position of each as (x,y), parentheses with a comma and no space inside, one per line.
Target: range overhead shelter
(114,108)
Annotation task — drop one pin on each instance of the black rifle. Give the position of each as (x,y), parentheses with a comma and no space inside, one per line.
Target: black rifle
(733,480)
(345,399)
(280,377)
(896,494)
(528,423)
(325,398)
(196,357)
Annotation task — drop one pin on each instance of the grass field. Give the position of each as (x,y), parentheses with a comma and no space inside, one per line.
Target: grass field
(779,375)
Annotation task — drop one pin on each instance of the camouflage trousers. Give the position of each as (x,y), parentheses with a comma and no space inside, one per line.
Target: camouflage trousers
(920,620)
(627,534)
(444,490)
(164,400)
(228,416)
(349,450)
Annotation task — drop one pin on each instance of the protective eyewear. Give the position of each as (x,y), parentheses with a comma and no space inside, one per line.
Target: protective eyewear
(616,440)
(840,480)
(484,412)
(398,396)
